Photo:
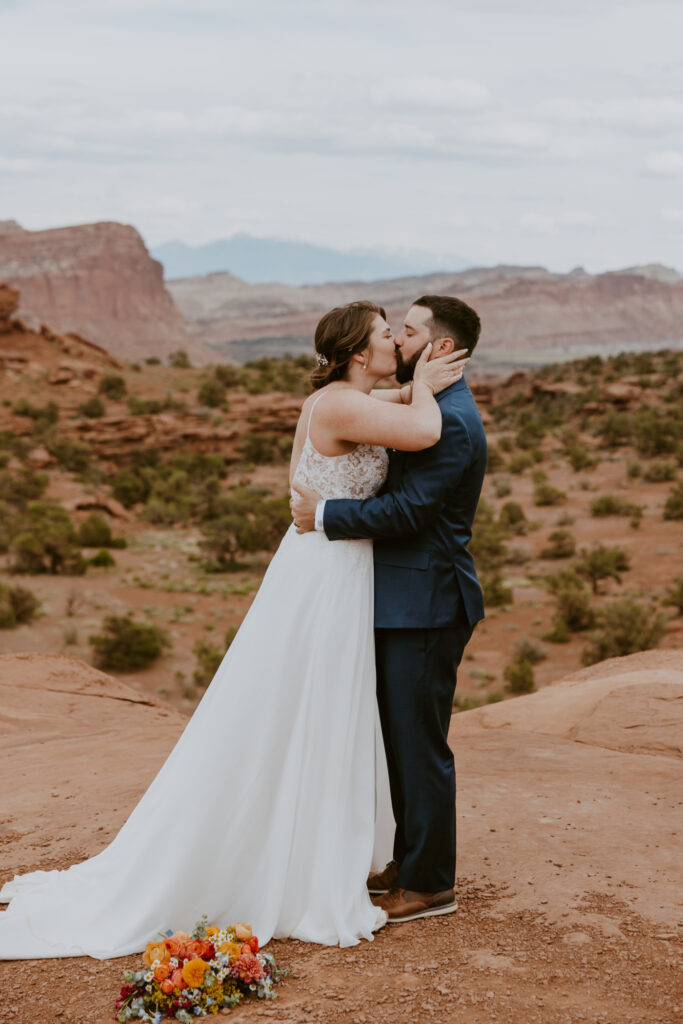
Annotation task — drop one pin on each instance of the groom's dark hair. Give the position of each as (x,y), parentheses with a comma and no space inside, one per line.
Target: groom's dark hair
(452,318)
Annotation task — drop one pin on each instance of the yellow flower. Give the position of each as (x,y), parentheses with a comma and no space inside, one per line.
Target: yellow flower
(242,931)
(230,949)
(194,970)
(155,951)
(212,930)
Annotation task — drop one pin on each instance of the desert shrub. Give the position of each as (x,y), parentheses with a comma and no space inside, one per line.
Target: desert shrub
(562,545)
(506,444)
(612,505)
(519,676)
(501,486)
(495,460)
(602,562)
(248,521)
(93,407)
(659,471)
(209,656)
(573,610)
(263,448)
(674,595)
(75,456)
(46,542)
(44,416)
(102,560)
(496,593)
(487,544)
(530,650)
(17,605)
(138,406)
(512,519)
(530,433)
(25,485)
(546,494)
(228,376)
(179,360)
(129,487)
(624,627)
(633,469)
(113,386)
(673,509)
(125,645)
(519,462)
(212,393)
(655,433)
(614,428)
(152,361)
(95,532)
(580,458)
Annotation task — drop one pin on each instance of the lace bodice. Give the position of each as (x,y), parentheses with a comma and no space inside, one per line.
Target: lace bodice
(356,474)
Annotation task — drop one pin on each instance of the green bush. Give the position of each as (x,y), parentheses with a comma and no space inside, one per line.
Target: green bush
(487,544)
(545,494)
(247,521)
(151,406)
(46,542)
(518,463)
(674,595)
(17,605)
(496,593)
(573,611)
(228,376)
(75,456)
(129,487)
(125,645)
(612,505)
(495,460)
(113,386)
(659,471)
(614,428)
(212,393)
(519,675)
(624,627)
(512,518)
(95,532)
(44,417)
(530,650)
(501,486)
(602,562)
(102,560)
(25,485)
(179,360)
(633,469)
(580,458)
(93,407)
(673,508)
(264,448)
(209,657)
(562,545)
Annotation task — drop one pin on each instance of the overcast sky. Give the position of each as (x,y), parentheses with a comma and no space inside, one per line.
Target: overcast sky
(518,131)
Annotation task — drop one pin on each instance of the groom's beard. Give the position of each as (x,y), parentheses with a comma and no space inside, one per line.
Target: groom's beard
(405,370)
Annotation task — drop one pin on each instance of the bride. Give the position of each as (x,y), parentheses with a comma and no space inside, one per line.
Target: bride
(270,805)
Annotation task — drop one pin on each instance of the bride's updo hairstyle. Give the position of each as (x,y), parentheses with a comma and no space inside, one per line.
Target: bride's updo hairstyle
(341,334)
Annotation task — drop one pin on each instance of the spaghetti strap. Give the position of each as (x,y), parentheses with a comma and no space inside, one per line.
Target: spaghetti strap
(310,413)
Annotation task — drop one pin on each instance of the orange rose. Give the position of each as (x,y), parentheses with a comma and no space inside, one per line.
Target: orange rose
(230,949)
(196,948)
(161,972)
(212,930)
(155,951)
(242,931)
(177,979)
(173,946)
(167,986)
(194,970)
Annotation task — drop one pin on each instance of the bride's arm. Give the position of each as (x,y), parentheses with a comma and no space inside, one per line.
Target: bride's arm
(352,416)
(402,395)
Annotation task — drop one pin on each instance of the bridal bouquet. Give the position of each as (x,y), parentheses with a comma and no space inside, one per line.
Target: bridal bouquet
(187,976)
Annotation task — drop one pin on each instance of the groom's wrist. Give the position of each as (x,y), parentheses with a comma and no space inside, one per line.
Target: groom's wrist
(319,513)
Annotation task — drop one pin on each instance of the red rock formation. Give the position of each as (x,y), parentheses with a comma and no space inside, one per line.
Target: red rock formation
(96,280)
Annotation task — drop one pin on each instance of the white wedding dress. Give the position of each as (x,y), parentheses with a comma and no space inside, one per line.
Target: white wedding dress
(269,807)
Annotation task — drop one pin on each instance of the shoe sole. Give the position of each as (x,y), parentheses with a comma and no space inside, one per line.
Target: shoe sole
(377,892)
(448,908)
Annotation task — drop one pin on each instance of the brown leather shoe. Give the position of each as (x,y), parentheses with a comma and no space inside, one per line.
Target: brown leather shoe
(383,881)
(405,905)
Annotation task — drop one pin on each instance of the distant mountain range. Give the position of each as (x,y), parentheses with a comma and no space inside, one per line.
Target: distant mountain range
(261,260)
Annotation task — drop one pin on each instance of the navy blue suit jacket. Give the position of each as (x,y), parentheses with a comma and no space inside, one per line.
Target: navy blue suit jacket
(421,523)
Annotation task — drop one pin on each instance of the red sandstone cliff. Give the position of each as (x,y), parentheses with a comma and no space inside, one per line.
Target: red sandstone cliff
(97,280)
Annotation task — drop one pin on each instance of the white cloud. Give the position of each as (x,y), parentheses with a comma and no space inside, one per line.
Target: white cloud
(673,215)
(431,93)
(668,162)
(538,223)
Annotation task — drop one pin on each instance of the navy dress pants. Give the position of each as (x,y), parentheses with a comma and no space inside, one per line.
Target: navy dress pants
(416,677)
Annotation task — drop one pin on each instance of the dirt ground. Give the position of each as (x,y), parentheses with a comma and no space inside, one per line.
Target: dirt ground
(482,965)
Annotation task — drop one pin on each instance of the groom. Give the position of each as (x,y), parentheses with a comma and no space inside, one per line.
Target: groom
(427,602)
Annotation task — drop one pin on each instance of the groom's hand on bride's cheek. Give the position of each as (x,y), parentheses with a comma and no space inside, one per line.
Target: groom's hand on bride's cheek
(302,503)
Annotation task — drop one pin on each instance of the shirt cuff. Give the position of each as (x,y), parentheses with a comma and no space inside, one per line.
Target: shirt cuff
(319,513)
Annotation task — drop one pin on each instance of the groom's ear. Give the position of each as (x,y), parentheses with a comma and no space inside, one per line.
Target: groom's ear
(443,347)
